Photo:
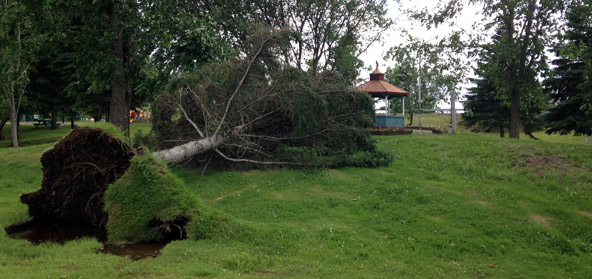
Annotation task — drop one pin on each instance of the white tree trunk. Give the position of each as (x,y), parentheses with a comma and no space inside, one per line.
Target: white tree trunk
(452,113)
(587,139)
(183,152)
(14,121)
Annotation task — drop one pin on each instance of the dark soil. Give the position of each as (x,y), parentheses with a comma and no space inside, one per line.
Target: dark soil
(542,164)
(76,173)
(36,232)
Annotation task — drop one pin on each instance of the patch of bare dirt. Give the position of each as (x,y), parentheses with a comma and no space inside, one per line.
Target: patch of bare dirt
(540,219)
(485,203)
(542,164)
(586,213)
(252,172)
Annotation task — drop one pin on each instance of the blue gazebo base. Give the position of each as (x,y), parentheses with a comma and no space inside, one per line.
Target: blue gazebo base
(389,122)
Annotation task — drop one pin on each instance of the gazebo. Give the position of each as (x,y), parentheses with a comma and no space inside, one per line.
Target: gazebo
(377,87)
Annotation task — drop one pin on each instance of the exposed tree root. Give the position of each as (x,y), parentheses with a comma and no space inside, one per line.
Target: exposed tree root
(76,173)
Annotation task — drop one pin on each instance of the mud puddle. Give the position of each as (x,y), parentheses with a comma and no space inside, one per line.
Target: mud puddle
(38,233)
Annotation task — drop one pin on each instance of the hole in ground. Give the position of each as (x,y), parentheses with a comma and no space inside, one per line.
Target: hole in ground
(39,232)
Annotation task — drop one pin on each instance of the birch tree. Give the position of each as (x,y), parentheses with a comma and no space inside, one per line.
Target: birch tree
(18,44)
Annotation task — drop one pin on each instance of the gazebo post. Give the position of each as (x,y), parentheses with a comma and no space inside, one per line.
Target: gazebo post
(386,101)
(403,102)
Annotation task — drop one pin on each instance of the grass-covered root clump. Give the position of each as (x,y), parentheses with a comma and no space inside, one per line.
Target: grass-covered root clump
(148,203)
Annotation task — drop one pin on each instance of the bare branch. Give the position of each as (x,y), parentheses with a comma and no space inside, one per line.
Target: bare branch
(180,105)
(242,80)
(255,161)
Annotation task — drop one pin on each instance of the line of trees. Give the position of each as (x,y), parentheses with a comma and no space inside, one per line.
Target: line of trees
(515,89)
(106,57)
(558,104)
(248,81)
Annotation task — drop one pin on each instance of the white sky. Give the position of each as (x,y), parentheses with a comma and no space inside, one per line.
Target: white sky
(393,36)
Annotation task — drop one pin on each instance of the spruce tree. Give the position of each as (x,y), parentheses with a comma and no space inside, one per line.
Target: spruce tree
(570,82)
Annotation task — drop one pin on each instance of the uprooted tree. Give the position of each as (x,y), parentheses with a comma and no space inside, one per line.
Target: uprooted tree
(254,109)
(250,109)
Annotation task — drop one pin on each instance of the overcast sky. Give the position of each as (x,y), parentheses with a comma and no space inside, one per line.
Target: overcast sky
(393,36)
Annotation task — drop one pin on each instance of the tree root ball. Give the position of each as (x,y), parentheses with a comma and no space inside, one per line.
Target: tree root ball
(76,173)
(94,180)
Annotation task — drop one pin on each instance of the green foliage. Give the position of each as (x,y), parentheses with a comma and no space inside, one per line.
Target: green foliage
(489,103)
(430,72)
(569,82)
(139,139)
(329,35)
(114,48)
(484,110)
(277,107)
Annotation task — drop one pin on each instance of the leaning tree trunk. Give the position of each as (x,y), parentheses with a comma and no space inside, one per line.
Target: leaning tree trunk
(183,152)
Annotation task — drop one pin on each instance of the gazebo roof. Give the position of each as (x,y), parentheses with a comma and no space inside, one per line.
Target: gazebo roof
(378,87)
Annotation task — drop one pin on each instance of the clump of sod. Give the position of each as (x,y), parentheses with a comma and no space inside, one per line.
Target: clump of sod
(148,203)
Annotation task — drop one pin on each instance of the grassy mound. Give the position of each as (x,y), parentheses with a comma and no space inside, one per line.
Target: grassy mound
(149,204)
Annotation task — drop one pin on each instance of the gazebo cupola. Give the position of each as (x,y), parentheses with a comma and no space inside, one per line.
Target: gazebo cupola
(377,87)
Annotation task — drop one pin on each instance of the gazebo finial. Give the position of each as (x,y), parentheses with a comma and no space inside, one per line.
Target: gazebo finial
(376,64)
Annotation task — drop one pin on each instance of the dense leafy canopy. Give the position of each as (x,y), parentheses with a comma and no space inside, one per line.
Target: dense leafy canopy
(329,35)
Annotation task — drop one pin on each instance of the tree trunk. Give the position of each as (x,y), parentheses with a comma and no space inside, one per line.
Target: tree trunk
(183,152)
(502,129)
(410,119)
(452,113)
(587,139)
(14,122)
(54,121)
(120,85)
(515,115)
(72,121)
(4,120)
(97,115)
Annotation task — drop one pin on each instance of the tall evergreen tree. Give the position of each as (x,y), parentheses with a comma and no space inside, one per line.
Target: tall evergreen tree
(570,83)
(483,109)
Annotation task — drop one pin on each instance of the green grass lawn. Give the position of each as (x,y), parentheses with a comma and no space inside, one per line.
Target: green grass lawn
(443,120)
(463,206)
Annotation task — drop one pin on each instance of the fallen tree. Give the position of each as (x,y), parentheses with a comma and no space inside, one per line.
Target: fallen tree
(251,109)
(254,109)
(93,179)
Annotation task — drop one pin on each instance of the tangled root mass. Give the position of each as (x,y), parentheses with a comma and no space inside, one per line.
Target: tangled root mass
(76,173)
